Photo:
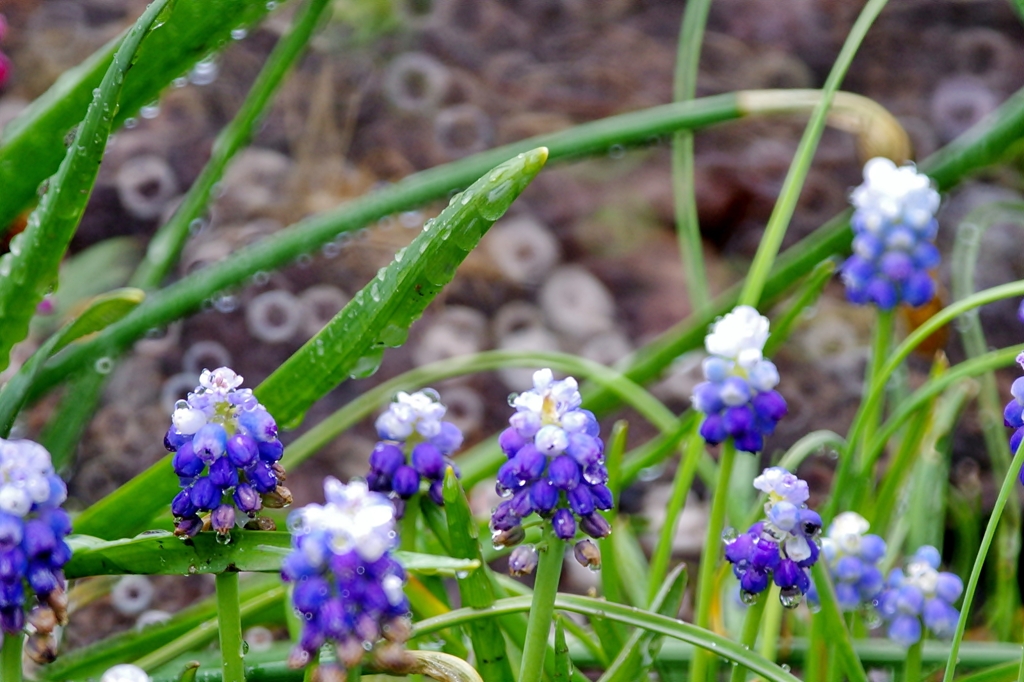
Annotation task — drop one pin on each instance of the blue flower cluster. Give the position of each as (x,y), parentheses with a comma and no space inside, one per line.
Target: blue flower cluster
(920,593)
(1013,414)
(32,532)
(852,556)
(780,548)
(894,230)
(555,464)
(347,586)
(738,398)
(226,455)
(414,444)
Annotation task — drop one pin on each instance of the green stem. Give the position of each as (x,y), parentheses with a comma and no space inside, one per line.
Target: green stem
(10,658)
(709,559)
(691,35)
(771,625)
(879,350)
(680,489)
(542,609)
(407,539)
(1009,483)
(229,622)
(751,625)
(761,268)
(912,666)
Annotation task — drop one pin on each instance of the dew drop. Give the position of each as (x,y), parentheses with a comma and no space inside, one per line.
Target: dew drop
(226,303)
(151,110)
(103,365)
(616,151)
(462,575)
(367,365)
(239,33)
(748,598)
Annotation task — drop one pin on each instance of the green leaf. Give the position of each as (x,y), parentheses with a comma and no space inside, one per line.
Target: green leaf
(379,315)
(30,269)
(656,623)
(100,312)
(475,588)
(161,553)
(831,621)
(31,146)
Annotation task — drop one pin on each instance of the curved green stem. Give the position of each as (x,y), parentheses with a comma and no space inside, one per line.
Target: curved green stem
(229,622)
(709,558)
(1009,484)
(751,625)
(774,232)
(542,610)
(10,658)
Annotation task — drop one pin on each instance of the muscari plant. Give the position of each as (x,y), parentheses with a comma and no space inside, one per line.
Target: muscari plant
(350,579)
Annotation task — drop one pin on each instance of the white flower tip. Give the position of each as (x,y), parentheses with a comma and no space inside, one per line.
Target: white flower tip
(542,378)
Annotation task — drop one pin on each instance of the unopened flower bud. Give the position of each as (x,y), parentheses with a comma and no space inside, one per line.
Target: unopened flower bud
(43,619)
(523,560)
(587,554)
(41,648)
(508,538)
(279,497)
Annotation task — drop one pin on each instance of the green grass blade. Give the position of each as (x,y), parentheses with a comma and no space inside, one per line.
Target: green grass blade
(778,222)
(30,269)
(166,245)
(475,588)
(188,294)
(627,615)
(831,621)
(563,663)
(32,148)
(691,246)
(101,312)
(161,553)
(379,315)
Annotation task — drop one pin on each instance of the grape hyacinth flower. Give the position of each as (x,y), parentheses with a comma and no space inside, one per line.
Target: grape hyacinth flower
(32,547)
(920,593)
(347,586)
(894,232)
(415,444)
(782,547)
(226,455)
(738,397)
(852,556)
(1013,414)
(555,468)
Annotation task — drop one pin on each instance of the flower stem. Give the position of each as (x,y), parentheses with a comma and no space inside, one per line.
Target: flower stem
(751,625)
(972,583)
(10,658)
(709,559)
(912,666)
(545,588)
(229,622)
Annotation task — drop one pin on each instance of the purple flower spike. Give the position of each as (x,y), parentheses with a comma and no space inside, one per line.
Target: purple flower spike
(416,444)
(556,465)
(348,587)
(920,595)
(782,548)
(738,398)
(32,531)
(226,453)
(894,231)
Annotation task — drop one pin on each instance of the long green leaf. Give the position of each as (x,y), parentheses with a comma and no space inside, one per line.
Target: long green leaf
(475,588)
(32,146)
(30,269)
(379,315)
(161,553)
(652,622)
(100,312)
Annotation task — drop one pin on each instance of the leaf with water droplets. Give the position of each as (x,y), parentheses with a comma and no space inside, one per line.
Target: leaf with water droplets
(379,315)
(33,146)
(36,255)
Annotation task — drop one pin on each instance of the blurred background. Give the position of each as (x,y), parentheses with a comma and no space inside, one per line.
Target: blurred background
(585,262)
